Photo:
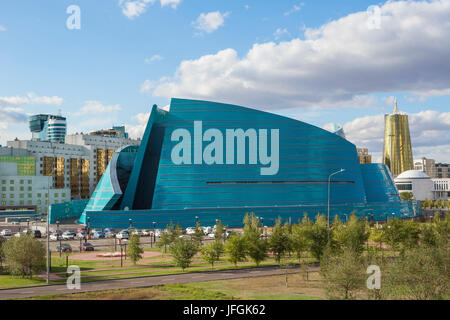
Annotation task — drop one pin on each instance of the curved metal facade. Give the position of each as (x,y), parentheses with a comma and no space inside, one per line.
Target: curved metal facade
(222,177)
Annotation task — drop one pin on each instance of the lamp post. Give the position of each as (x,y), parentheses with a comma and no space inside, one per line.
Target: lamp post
(48,216)
(329,180)
(131,223)
(87,231)
(196,220)
(154,231)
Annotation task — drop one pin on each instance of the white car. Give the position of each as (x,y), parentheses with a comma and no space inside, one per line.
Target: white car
(157,233)
(207,230)
(55,236)
(190,230)
(6,232)
(146,233)
(123,235)
(138,232)
(68,235)
(211,235)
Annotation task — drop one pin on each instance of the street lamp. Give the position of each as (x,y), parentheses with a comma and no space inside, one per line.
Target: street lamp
(329,180)
(154,232)
(87,231)
(196,220)
(131,222)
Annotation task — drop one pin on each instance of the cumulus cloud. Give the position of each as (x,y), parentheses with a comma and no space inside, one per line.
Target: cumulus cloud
(429,129)
(133,9)
(332,65)
(137,130)
(209,22)
(147,86)
(2,28)
(96,107)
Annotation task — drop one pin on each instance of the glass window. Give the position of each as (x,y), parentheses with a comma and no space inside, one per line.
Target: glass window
(29,188)
(11,195)
(11,203)
(3,181)
(3,188)
(21,202)
(3,203)
(39,202)
(3,196)
(22,196)
(21,181)
(21,189)
(29,202)
(11,188)
(11,181)
(38,195)
(29,181)
(30,195)
(56,195)
(63,195)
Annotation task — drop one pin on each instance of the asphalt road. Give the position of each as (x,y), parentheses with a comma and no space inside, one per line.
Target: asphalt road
(141,282)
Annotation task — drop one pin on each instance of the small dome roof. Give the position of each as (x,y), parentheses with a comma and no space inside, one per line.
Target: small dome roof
(413,174)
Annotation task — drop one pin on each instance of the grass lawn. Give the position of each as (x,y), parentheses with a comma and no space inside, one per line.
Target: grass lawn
(260,288)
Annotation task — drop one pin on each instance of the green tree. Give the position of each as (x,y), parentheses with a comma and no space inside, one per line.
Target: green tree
(183,251)
(212,252)
(420,273)
(219,234)
(407,196)
(134,249)
(279,241)
(343,273)
(24,255)
(235,249)
(318,236)
(2,253)
(353,235)
(401,234)
(300,239)
(198,235)
(164,240)
(255,246)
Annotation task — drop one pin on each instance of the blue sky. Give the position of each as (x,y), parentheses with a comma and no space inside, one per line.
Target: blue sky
(128,55)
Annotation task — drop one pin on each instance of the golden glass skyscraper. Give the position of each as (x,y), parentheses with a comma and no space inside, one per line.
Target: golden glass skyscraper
(397,151)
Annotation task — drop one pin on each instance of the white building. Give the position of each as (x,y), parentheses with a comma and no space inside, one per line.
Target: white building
(422,186)
(77,164)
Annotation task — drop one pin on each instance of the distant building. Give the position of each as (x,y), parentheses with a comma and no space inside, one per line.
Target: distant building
(47,127)
(432,169)
(364,156)
(422,186)
(116,131)
(77,164)
(397,151)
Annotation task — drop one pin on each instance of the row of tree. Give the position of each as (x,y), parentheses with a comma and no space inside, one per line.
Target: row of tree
(435,204)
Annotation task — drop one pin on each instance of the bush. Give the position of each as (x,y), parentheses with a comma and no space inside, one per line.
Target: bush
(24,255)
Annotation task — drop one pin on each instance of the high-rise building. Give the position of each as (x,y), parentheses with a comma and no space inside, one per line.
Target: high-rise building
(47,127)
(397,151)
(363,155)
(77,164)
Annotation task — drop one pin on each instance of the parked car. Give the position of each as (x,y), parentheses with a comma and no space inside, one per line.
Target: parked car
(64,247)
(138,232)
(87,247)
(98,235)
(146,233)
(6,232)
(18,234)
(81,230)
(110,234)
(81,235)
(207,230)
(124,234)
(158,233)
(211,235)
(35,233)
(190,230)
(68,235)
(55,236)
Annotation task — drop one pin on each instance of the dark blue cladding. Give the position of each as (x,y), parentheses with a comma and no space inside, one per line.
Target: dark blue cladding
(185,168)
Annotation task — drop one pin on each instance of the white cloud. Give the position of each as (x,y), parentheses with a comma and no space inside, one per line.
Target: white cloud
(211,21)
(331,66)
(280,32)
(295,8)
(147,86)
(137,130)
(429,129)
(2,28)
(133,9)
(13,116)
(96,107)
(155,57)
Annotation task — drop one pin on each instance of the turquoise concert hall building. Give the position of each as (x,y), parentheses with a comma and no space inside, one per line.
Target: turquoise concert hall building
(203,161)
